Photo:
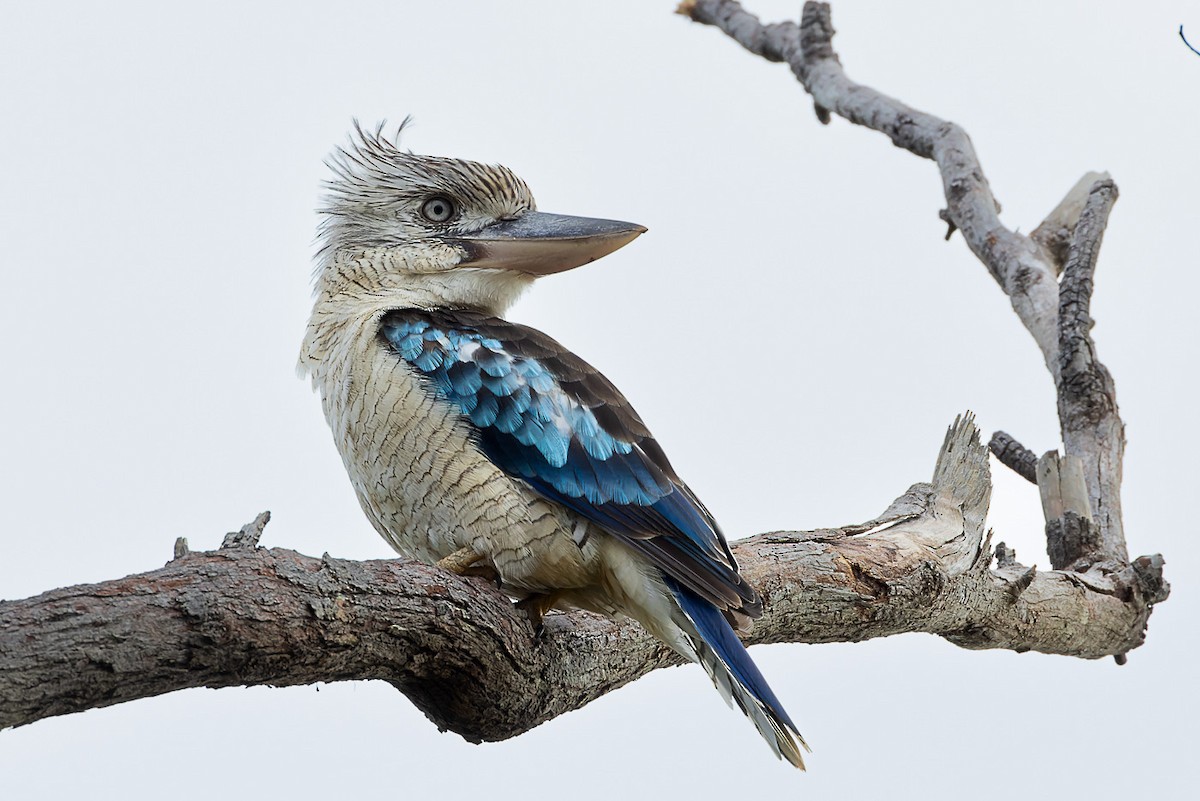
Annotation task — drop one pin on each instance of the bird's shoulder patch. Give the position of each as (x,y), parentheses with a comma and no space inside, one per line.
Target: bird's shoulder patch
(541,411)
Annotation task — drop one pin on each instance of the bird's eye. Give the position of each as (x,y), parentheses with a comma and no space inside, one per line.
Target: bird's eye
(438,209)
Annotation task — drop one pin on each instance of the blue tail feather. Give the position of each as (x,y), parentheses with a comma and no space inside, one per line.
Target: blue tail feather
(719,635)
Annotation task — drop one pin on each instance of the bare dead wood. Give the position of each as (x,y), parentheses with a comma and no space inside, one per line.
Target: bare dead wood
(1086,534)
(243,615)
(1054,233)
(1092,429)
(1013,260)
(1014,456)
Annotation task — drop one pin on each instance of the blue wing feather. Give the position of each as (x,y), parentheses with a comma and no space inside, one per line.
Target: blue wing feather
(547,417)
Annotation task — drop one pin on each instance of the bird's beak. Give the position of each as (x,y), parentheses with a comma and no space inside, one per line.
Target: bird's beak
(541,244)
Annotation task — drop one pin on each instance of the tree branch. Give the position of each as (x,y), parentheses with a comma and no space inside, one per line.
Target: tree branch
(1013,260)
(1087,397)
(1014,456)
(1087,537)
(244,615)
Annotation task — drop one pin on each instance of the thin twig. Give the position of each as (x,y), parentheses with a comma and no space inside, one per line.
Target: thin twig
(1186,42)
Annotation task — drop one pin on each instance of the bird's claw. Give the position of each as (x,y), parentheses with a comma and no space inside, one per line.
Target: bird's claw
(466,562)
(486,572)
(535,607)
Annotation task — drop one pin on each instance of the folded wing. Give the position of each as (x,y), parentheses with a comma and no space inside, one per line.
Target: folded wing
(545,416)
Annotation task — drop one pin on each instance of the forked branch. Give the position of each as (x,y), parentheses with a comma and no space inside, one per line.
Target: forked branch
(1083,527)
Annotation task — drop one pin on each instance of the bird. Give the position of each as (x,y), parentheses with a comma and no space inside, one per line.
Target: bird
(486,447)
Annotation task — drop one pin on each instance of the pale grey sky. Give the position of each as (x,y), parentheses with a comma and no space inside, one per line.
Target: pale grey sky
(792,327)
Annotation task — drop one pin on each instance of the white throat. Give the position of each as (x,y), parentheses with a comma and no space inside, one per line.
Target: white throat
(355,288)
(393,278)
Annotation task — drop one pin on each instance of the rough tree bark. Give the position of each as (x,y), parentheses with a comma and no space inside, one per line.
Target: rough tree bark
(244,615)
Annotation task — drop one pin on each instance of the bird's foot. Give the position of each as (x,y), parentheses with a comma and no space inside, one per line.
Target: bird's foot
(536,606)
(466,562)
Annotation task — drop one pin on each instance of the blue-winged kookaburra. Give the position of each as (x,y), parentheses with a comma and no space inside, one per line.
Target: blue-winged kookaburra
(485,445)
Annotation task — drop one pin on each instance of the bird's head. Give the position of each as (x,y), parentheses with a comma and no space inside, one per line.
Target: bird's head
(430,231)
